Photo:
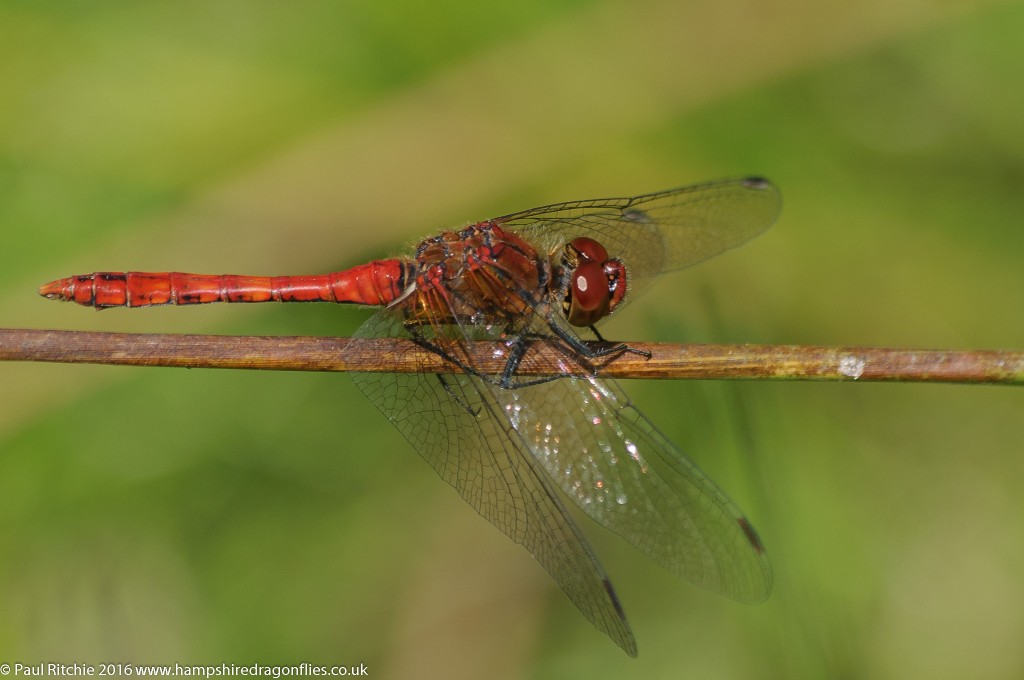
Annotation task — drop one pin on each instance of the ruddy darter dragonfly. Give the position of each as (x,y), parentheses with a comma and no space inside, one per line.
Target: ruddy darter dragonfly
(507,443)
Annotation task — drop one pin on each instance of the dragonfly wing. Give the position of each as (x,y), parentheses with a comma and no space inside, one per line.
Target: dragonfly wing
(658,232)
(457,424)
(621,471)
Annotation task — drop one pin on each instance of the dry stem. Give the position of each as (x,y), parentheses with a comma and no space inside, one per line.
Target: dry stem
(788,362)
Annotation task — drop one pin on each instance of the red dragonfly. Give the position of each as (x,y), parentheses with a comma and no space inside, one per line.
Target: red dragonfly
(509,444)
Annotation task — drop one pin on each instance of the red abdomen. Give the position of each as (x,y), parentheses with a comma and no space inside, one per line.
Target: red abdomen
(375,283)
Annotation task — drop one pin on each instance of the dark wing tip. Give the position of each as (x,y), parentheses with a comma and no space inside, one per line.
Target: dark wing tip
(755,542)
(758,183)
(751,534)
(625,638)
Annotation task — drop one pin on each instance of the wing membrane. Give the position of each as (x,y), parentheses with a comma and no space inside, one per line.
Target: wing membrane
(658,232)
(506,449)
(455,422)
(611,461)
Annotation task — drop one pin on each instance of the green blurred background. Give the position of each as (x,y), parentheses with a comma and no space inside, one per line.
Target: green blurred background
(159,515)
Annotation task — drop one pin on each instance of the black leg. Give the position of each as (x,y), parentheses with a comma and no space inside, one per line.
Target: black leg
(457,398)
(574,348)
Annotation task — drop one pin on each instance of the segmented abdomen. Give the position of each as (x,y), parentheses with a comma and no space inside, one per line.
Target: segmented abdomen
(376,283)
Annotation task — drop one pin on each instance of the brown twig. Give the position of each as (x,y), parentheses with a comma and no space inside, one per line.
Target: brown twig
(787,362)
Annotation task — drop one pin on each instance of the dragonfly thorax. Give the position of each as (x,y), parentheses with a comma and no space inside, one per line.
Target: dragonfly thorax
(594,283)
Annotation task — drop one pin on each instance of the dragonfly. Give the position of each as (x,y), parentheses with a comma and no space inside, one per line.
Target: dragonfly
(517,447)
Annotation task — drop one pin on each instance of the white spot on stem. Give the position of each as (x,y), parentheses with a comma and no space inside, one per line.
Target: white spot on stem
(851,366)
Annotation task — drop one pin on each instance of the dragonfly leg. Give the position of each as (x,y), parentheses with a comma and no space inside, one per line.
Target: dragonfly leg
(515,357)
(515,385)
(619,347)
(577,345)
(458,399)
(505,380)
(439,351)
(570,345)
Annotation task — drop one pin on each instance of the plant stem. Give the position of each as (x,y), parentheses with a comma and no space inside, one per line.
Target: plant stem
(786,362)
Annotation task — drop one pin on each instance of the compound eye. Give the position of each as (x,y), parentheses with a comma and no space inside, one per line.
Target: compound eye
(589,249)
(615,275)
(589,294)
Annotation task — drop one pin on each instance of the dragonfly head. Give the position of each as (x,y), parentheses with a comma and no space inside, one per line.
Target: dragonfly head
(595,285)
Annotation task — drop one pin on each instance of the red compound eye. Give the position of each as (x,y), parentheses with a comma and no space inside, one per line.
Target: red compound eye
(590,286)
(615,275)
(596,283)
(588,294)
(589,249)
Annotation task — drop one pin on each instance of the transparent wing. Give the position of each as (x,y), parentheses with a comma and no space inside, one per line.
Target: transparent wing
(657,232)
(457,424)
(506,449)
(622,472)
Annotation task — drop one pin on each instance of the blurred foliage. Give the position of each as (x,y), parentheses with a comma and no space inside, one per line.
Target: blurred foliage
(155,516)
